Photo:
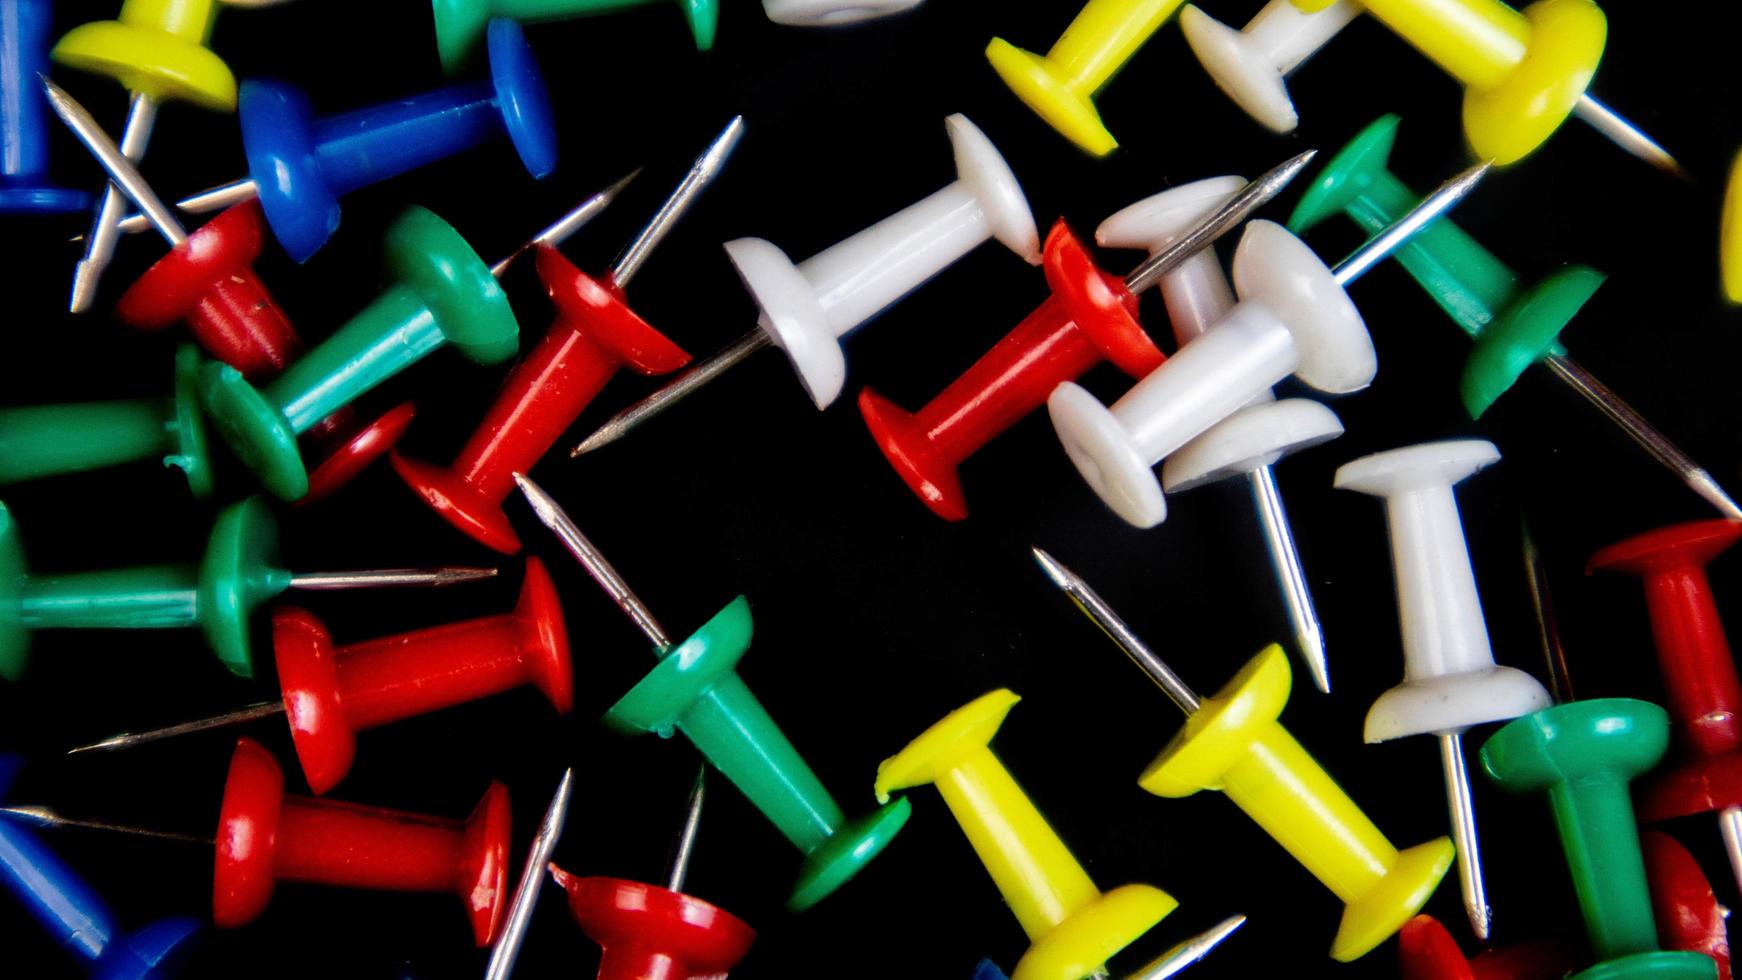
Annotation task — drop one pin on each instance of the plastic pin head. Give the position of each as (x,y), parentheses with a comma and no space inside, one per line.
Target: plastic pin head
(460,25)
(156,48)
(24,130)
(645,930)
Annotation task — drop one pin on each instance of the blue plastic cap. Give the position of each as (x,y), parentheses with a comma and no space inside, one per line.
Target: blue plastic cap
(988,970)
(42,200)
(278,139)
(522,97)
(157,952)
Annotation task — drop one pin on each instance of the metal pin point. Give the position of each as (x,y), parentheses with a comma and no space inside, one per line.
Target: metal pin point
(1147,273)
(101,239)
(679,867)
(701,174)
(1383,244)
(559,230)
(1627,136)
(125,183)
(1192,950)
(532,878)
(1462,807)
(48,818)
(1303,615)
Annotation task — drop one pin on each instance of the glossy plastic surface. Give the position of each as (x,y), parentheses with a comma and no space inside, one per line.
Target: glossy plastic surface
(1582,755)
(65,906)
(1251,65)
(1513,326)
(1730,234)
(1073,928)
(155,48)
(1694,657)
(1426,951)
(1061,87)
(302,165)
(1687,912)
(331,693)
(808,307)
(833,13)
(1235,744)
(696,690)
(650,933)
(265,836)
(444,294)
(49,440)
(24,113)
(595,334)
(1450,680)
(1089,318)
(460,24)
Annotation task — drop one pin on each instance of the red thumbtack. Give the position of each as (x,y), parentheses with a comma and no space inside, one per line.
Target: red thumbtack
(265,836)
(1699,673)
(1426,951)
(330,693)
(1687,912)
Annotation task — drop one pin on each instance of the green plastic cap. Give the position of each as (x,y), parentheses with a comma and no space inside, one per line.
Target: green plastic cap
(459,31)
(14,635)
(430,258)
(257,432)
(239,572)
(1608,737)
(1525,332)
(193,455)
(846,852)
(685,673)
(1347,176)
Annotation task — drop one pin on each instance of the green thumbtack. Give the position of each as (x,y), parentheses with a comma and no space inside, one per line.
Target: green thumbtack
(443,294)
(459,24)
(1513,326)
(695,689)
(219,595)
(48,440)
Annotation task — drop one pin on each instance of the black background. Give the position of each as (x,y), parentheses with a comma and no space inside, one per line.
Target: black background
(873,617)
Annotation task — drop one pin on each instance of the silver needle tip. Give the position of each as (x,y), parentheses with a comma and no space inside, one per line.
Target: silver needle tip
(507,948)
(1190,951)
(1443,199)
(574,220)
(381,578)
(1629,137)
(678,870)
(701,174)
(121,170)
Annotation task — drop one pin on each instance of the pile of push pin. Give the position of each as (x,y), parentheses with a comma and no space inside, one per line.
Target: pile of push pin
(302,417)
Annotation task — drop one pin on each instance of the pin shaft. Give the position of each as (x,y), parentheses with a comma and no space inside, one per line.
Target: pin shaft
(1560,679)
(241,716)
(574,220)
(1463,812)
(384,578)
(1192,950)
(701,174)
(1627,136)
(102,237)
(550,829)
(201,202)
(673,391)
(1443,199)
(678,869)
(42,816)
(1730,825)
(124,177)
(1303,614)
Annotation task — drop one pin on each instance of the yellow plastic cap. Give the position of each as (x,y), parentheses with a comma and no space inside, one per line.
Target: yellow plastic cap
(150,62)
(1377,915)
(1509,121)
(963,730)
(1222,732)
(1093,934)
(1070,112)
(1730,235)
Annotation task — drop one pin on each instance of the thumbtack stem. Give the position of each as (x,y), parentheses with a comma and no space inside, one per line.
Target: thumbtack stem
(241,716)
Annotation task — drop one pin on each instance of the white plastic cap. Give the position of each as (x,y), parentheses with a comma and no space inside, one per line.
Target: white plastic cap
(1243,70)
(832,13)
(1435,705)
(1103,452)
(1255,436)
(792,316)
(1277,269)
(982,170)
(1154,222)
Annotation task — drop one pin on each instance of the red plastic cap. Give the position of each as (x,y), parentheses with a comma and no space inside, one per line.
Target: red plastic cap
(1699,784)
(483,875)
(1693,543)
(544,637)
(459,502)
(247,835)
(1687,912)
(1426,951)
(352,454)
(209,281)
(1104,310)
(326,742)
(932,478)
(598,311)
(650,932)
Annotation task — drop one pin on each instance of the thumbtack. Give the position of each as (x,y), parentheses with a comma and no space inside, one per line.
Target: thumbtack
(69,909)
(1730,234)
(157,50)
(833,13)
(696,690)
(647,931)
(300,166)
(1582,755)
(24,131)
(1523,72)
(238,573)
(513,932)
(1090,317)
(1072,927)
(460,25)
(1687,912)
(1251,65)
(595,334)
(1426,951)
(1233,742)
(39,441)
(1061,87)
(1294,318)
(1168,964)
(1450,681)
(1699,673)
(329,694)
(1255,437)
(1513,327)
(808,307)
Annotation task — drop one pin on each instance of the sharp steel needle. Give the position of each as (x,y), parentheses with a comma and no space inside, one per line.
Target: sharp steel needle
(550,830)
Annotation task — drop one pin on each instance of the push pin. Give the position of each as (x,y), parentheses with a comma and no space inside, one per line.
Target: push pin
(1523,72)
(808,307)
(460,25)
(1294,317)
(594,335)
(70,910)
(24,182)
(1168,964)
(647,931)
(1234,743)
(833,13)
(39,441)
(1090,317)
(300,166)
(1061,87)
(328,694)
(157,50)
(506,949)
(1251,440)
(1072,927)
(238,573)
(1581,755)
(1450,681)
(1730,234)
(1699,673)
(1513,327)
(1426,951)
(696,690)
(1687,912)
